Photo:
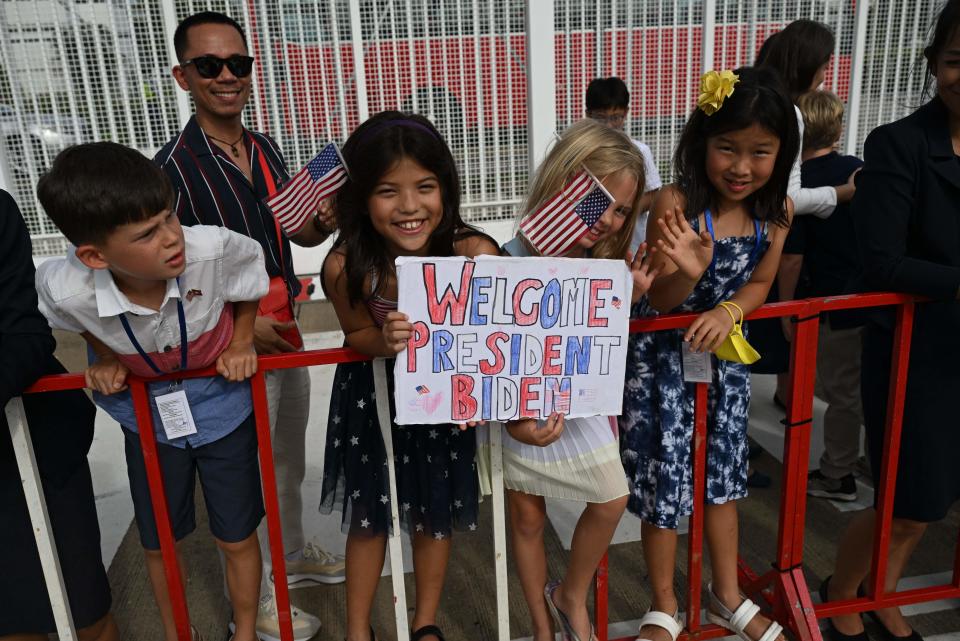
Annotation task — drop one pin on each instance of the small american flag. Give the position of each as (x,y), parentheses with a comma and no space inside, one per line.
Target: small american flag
(616,302)
(300,198)
(564,219)
(422,389)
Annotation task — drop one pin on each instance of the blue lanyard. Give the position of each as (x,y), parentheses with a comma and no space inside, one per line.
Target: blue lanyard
(184,347)
(756,231)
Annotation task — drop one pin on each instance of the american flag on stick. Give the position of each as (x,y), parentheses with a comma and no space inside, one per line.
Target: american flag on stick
(561,221)
(300,198)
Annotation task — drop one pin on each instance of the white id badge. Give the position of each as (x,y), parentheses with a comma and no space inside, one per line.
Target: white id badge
(175,414)
(696,365)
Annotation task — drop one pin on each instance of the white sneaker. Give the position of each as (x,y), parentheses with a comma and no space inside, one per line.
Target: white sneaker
(305,625)
(317,565)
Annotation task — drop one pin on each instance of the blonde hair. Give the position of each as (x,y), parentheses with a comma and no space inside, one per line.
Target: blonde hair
(604,152)
(822,118)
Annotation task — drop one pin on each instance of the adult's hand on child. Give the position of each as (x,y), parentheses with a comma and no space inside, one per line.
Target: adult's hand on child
(397,330)
(266,335)
(690,251)
(709,330)
(642,270)
(107,376)
(238,362)
(527,430)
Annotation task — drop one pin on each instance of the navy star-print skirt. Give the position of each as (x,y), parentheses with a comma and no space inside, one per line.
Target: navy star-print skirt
(436,472)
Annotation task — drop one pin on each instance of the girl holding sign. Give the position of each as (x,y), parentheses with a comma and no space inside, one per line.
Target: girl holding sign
(402,199)
(577,459)
(719,231)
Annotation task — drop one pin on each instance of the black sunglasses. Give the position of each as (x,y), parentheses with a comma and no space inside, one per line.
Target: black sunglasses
(211,66)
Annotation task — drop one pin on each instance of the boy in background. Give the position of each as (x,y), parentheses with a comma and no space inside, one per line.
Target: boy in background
(151,297)
(830,268)
(608,102)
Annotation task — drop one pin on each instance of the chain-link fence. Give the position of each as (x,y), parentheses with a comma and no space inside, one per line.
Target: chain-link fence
(75,70)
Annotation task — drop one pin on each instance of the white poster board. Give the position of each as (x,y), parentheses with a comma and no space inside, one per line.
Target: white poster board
(498,339)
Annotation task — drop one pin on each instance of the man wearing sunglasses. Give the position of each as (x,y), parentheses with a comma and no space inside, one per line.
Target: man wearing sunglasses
(222,173)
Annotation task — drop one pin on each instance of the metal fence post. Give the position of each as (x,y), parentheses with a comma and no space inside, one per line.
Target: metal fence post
(169,27)
(541,79)
(37,506)
(359,67)
(856,75)
(5,183)
(708,42)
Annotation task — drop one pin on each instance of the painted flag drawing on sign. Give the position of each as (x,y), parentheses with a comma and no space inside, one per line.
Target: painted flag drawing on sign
(300,198)
(564,219)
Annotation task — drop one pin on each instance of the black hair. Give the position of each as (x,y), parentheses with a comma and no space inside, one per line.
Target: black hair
(93,188)
(607,93)
(797,52)
(197,19)
(944,29)
(372,150)
(758,98)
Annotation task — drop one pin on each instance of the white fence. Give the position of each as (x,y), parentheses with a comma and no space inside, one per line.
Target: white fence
(74,71)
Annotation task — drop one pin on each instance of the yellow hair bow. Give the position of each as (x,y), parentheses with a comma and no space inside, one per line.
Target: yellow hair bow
(715,87)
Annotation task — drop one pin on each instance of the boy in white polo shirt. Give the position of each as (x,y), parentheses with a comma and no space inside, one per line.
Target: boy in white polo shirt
(152,297)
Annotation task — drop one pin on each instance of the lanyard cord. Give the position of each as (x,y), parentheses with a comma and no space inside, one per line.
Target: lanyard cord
(184,347)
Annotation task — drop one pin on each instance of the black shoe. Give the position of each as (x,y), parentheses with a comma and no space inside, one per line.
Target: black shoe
(886,634)
(427,630)
(759,480)
(837,635)
(841,489)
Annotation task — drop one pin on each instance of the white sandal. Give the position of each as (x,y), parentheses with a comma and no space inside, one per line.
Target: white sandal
(738,620)
(661,620)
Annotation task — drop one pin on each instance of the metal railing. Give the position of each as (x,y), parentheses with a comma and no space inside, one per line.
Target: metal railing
(783,588)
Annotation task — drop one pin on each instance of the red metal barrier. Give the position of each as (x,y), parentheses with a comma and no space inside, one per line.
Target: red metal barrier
(158,497)
(783,588)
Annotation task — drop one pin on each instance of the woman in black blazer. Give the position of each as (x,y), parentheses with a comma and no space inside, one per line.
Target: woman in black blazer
(907,216)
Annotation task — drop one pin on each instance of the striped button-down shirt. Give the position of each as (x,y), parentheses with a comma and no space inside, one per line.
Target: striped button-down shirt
(212,190)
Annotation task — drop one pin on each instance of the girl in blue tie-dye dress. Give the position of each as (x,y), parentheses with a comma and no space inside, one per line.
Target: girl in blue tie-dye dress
(719,231)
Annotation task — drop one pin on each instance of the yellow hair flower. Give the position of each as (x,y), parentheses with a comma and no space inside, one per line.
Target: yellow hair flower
(715,88)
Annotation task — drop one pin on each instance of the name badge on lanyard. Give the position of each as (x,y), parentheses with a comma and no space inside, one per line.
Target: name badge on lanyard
(173,406)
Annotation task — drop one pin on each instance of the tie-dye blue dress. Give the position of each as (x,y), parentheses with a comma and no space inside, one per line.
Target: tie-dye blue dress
(656,426)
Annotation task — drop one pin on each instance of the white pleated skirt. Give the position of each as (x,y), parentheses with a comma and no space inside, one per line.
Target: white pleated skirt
(582,465)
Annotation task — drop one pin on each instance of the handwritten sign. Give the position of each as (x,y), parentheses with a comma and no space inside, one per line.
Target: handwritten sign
(506,338)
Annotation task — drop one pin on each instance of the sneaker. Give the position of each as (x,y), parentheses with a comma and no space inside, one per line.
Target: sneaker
(317,565)
(305,626)
(842,489)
